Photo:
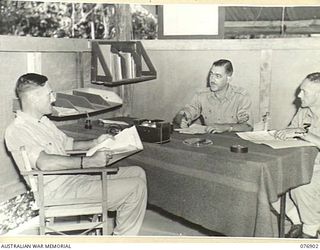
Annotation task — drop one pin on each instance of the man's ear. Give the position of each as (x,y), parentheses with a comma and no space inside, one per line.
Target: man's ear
(32,98)
(229,78)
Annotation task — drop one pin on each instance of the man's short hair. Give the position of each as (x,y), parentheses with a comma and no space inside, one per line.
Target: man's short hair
(29,82)
(226,64)
(314,77)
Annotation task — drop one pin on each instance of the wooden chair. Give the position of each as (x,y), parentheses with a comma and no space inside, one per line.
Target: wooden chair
(49,211)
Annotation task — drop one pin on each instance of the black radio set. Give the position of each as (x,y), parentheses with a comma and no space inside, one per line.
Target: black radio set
(155,131)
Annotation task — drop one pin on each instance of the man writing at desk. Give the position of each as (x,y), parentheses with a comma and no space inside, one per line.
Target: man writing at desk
(46,148)
(305,211)
(223,107)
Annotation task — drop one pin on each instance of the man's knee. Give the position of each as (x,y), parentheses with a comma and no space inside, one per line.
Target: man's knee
(142,186)
(297,192)
(138,172)
(304,192)
(138,189)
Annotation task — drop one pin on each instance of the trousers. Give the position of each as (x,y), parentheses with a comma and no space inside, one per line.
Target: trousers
(303,205)
(127,195)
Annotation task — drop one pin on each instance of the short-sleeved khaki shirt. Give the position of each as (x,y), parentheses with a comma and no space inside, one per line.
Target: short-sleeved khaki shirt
(214,110)
(303,116)
(36,136)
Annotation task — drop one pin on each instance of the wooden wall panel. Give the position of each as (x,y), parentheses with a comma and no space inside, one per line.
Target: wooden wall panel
(11,65)
(61,70)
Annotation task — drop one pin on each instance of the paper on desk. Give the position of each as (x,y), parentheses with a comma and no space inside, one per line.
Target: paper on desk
(267,137)
(125,143)
(193,129)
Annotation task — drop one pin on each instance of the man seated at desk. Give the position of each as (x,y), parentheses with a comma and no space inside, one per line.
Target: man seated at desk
(46,148)
(304,213)
(223,107)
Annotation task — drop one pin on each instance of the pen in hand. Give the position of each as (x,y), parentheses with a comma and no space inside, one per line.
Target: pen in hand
(300,134)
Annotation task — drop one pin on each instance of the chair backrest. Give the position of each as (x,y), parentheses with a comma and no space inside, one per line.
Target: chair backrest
(27,166)
(30,179)
(51,209)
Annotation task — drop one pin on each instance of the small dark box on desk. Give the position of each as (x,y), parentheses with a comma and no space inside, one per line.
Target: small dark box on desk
(157,131)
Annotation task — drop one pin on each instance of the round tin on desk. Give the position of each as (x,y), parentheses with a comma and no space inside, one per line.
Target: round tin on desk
(239,149)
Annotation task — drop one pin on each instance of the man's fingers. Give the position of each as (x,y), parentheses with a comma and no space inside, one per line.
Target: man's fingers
(243,116)
(184,123)
(281,134)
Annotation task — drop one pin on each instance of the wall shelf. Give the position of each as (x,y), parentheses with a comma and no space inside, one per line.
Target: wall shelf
(115,63)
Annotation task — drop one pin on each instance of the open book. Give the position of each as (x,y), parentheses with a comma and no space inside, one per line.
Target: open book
(126,143)
(267,137)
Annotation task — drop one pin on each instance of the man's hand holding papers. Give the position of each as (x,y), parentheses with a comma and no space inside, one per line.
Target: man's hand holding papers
(268,138)
(289,133)
(123,144)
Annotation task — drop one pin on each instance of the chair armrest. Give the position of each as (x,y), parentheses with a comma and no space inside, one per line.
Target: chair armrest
(108,170)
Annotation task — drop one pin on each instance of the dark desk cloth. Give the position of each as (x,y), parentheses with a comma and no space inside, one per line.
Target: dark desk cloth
(223,191)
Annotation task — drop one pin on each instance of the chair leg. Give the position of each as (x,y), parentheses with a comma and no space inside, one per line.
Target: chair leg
(97,231)
(104,204)
(41,205)
(282,215)
(50,221)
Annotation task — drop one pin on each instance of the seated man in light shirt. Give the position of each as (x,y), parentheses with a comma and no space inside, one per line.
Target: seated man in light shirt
(46,147)
(223,107)
(303,208)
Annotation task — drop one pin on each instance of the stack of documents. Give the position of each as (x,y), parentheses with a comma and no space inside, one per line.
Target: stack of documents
(193,129)
(267,137)
(124,144)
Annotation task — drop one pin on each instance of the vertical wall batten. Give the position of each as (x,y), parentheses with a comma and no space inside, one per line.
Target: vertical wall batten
(34,62)
(265,82)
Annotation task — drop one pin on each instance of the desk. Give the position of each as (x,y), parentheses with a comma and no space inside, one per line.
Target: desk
(223,191)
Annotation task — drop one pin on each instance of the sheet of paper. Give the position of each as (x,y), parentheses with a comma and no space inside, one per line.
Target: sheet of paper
(193,129)
(257,136)
(128,139)
(267,138)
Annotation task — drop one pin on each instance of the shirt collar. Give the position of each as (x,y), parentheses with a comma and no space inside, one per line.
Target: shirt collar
(228,95)
(26,117)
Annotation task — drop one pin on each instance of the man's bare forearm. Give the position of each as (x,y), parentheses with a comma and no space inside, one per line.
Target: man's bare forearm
(230,127)
(77,145)
(57,162)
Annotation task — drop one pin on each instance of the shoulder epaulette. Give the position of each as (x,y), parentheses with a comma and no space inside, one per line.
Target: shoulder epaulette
(203,90)
(239,90)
